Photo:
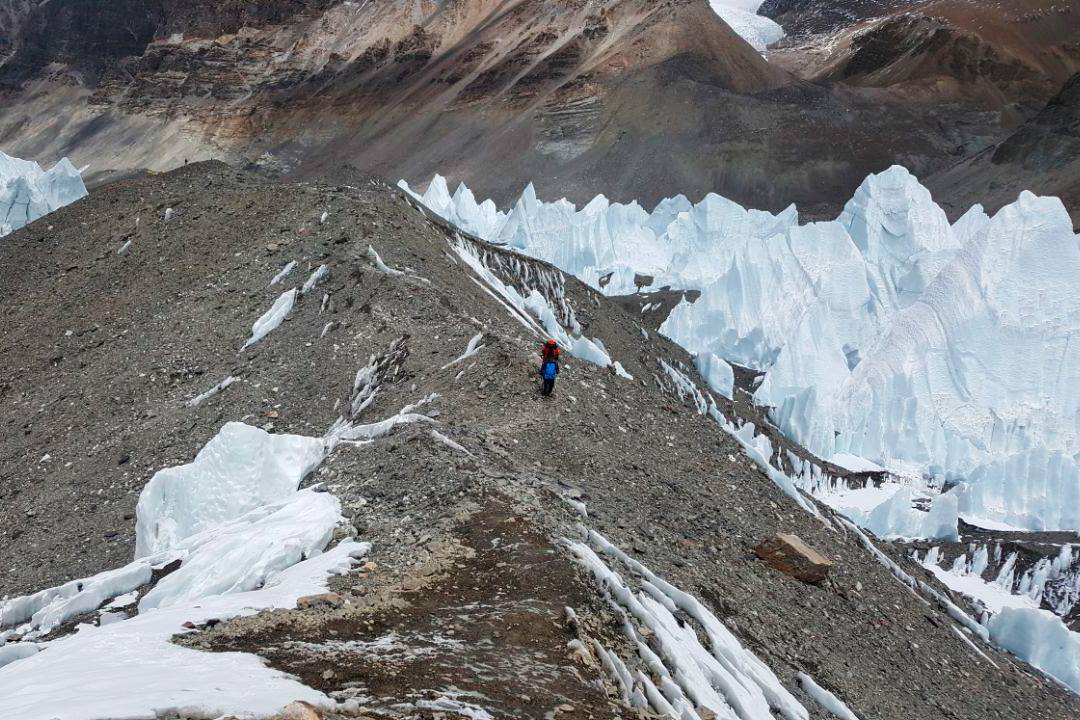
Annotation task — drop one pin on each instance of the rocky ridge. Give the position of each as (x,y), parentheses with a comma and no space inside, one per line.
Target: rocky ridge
(470,566)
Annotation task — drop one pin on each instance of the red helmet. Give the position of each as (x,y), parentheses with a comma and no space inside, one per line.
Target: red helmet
(551,342)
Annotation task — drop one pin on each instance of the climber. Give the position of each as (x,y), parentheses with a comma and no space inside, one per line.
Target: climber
(549,365)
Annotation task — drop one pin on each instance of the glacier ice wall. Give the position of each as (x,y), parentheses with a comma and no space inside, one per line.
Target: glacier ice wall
(27,191)
(943,350)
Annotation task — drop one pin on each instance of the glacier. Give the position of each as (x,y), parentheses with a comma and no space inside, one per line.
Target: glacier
(28,192)
(939,351)
(741,16)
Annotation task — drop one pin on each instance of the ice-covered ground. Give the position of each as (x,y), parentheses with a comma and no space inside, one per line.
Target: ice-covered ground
(940,351)
(687,676)
(27,191)
(246,538)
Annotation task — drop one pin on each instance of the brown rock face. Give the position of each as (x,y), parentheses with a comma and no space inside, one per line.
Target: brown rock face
(636,99)
(791,556)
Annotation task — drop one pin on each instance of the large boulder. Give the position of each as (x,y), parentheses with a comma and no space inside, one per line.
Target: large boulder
(791,556)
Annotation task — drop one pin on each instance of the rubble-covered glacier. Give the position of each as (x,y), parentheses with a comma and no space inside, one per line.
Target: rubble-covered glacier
(942,352)
(27,191)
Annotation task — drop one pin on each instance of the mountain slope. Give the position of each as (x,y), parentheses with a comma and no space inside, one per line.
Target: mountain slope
(1043,155)
(577,97)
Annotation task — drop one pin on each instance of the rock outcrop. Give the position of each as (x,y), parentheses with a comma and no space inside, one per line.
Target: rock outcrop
(791,556)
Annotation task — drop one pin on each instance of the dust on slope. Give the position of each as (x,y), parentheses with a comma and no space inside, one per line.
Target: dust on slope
(161,323)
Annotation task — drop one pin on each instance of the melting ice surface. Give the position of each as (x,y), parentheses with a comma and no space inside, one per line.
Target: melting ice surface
(943,352)
(27,192)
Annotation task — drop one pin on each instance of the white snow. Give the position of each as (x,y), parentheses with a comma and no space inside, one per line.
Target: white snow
(289,267)
(897,518)
(272,318)
(317,276)
(44,610)
(471,349)
(27,192)
(377,261)
(721,674)
(939,351)
(1040,638)
(717,373)
(242,468)
(445,704)
(536,312)
(1011,605)
(855,463)
(130,669)
(16,651)
(992,596)
(439,437)
(212,391)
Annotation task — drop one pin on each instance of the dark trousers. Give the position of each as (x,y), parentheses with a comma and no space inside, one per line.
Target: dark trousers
(549,385)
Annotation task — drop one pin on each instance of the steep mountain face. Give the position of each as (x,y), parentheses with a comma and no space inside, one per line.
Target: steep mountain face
(1043,154)
(1001,56)
(639,100)
(1051,139)
(402,376)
